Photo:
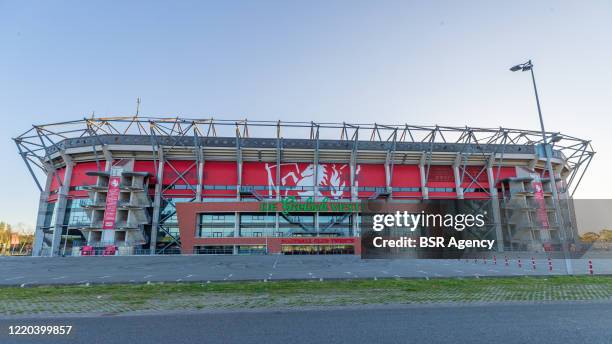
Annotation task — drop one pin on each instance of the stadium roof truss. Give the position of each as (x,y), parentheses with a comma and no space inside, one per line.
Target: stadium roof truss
(37,145)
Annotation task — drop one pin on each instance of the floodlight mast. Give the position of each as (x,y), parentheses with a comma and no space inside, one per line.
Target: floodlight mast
(528,66)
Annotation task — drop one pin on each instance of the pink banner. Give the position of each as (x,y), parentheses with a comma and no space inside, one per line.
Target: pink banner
(112,197)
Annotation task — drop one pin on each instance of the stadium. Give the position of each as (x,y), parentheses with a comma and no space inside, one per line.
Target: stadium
(151,185)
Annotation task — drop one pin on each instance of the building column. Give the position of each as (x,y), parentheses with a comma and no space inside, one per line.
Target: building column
(424,189)
(354,191)
(277,185)
(315,164)
(159,178)
(200,181)
(200,171)
(43,205)
(456,172)
(60,206)
(236,230)
(495,205)
(315,218)
(388,173)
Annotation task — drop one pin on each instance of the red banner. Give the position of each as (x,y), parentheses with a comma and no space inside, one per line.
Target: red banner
(538,194)
(112,197)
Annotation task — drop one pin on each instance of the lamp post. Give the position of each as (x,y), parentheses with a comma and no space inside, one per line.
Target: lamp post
(528,66)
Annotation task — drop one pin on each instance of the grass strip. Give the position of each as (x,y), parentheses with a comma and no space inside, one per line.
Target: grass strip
(215,295)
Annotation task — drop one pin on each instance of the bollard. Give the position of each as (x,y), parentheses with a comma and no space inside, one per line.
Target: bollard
(533,263)
(550,264)
(519,263)
(506,259)
(494,260)
(590,267)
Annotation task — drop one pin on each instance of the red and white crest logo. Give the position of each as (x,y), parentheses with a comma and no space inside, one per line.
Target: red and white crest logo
(298,179)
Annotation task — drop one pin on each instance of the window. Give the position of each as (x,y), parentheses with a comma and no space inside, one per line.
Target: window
(251,249)
(217,225)
(168,210)
(214,249)
(75,215)
(257,224)
(441,189)
(475,190)
(414,189)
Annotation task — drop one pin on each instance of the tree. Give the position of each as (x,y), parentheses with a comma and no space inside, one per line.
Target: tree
(589,237)
(606,235)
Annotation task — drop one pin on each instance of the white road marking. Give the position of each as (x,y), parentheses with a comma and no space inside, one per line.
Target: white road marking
(459,271)
(104,277)
(58,278)
(189,276)
(147,276)
(14,278)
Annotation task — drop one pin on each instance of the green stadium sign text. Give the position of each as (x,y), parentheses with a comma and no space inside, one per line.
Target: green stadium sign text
(291,204)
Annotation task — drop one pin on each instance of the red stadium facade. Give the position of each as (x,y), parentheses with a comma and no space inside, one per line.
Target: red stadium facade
(155,186)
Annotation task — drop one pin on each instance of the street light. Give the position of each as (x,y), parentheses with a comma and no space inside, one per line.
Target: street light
(528,66)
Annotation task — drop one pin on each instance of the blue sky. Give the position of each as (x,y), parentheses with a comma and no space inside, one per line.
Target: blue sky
(418,62)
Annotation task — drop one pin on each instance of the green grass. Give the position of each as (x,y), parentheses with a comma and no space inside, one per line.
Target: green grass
(254,294)
(127,292)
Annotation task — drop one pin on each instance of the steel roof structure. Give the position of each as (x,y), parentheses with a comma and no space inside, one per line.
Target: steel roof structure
(39,144)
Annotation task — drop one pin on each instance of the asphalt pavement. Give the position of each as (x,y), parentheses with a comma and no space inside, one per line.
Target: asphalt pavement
(491,323)
(27,271)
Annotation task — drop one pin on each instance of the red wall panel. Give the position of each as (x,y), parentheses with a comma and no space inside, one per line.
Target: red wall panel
(79,173)
(147,166)
(406,176)
(440,176)
(504,172)
(258,173)
(368,176)
(219,173)
(186,168)
(472,173)
(80,178)
(372,175)
(59,174)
